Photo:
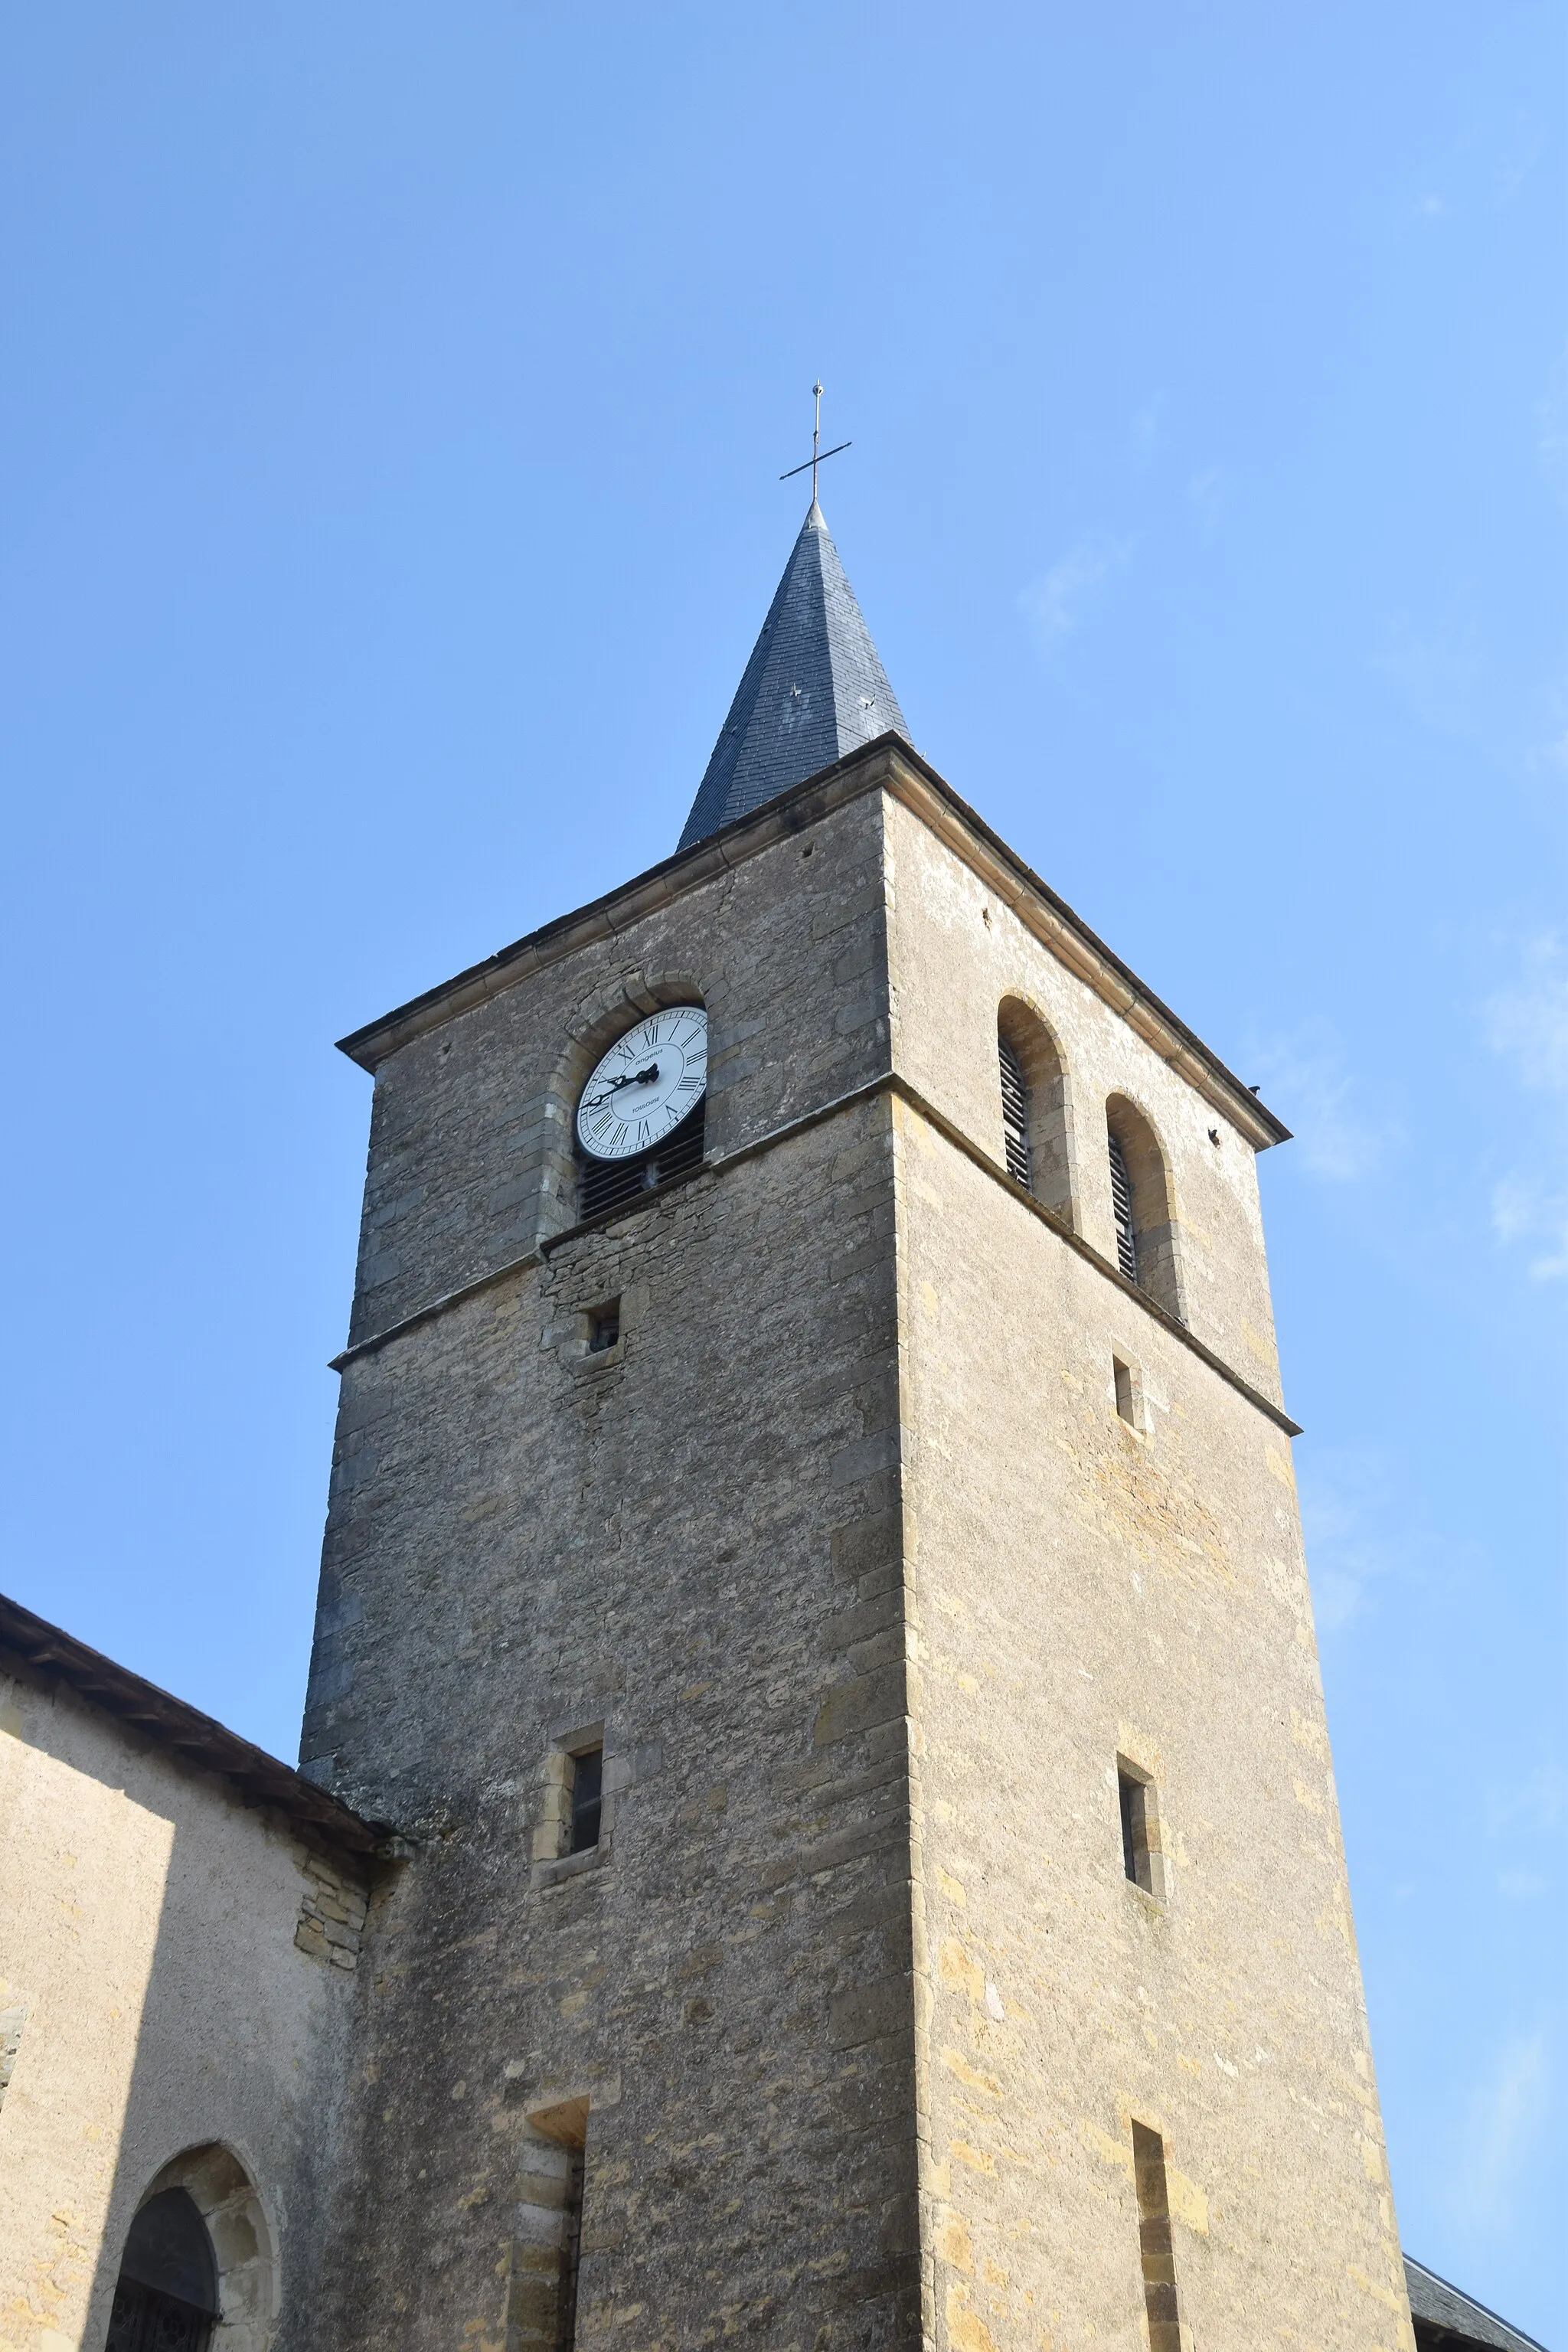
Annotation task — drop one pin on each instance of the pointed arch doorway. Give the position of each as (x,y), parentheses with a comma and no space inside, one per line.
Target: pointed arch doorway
(166,2298)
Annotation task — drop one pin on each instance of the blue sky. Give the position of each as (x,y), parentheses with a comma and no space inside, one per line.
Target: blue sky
(394,407)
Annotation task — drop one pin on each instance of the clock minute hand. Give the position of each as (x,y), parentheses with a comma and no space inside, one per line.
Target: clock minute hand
(630,1078)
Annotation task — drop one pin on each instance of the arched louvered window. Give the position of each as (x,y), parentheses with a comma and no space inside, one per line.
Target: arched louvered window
(1037,1122)
(1015,1112)
(1121,1206)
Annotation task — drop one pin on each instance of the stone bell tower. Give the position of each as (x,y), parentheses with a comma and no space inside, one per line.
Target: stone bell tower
(817,1589)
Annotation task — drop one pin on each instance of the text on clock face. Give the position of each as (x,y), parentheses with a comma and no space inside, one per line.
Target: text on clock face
(646,1083)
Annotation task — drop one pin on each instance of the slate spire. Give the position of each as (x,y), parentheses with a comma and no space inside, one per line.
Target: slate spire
(814,688)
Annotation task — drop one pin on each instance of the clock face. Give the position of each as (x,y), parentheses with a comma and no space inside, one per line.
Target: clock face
(645,1084)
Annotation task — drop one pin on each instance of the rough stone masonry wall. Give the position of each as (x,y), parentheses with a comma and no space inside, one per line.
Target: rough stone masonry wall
(160,2008)
(696,1546)
(955,953)
(1082,1590)
(471,1121)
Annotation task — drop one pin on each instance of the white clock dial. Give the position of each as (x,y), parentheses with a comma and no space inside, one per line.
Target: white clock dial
(645,1084)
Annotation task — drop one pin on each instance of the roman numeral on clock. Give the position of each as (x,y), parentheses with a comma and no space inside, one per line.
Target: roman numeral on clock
(646,1081)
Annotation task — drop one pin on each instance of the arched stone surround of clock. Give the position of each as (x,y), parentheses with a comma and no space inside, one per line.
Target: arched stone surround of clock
(629,1000)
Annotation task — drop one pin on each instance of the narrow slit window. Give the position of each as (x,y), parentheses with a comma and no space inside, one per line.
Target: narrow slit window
(1126,1395)
(571,2251)
(1131,1796)
(546,2249)
(587,1799)
(1156,2250)
(1142,1852)
(1015,1112)
(1121,1207)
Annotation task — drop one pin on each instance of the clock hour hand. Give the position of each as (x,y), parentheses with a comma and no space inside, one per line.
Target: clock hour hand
(630,1078)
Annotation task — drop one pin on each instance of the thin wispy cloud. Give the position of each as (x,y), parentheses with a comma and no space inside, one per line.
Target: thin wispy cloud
(1553,751)
(1551,428)
(1203,493)
(1519,153)
(1056,602)
(1356,1535)
(1526,1025)
(1527,1022)
(1526,1817)
(1506,2113)
(1486,169)
(1538,1803)
(1525,1214)
(1435,664)
(1147,422)
(1305,1079)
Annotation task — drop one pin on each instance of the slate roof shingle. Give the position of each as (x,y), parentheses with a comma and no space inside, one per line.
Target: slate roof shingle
(814,690)
(1445,2317)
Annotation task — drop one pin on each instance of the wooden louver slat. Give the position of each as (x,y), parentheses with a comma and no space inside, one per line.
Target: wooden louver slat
(1014,1113)
(1122,1204)
(608,1183)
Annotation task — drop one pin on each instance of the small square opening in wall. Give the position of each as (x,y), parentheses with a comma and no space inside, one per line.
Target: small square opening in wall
(604,1327)
(587,1799)
(1143,1855)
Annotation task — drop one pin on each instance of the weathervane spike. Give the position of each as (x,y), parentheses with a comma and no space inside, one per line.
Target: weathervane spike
(819,456)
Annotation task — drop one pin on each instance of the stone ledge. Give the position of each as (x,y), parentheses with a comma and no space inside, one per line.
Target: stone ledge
(889,1083)
(886,763)
(559,1866)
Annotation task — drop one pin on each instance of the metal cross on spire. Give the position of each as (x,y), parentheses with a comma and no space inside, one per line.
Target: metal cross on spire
(818,457)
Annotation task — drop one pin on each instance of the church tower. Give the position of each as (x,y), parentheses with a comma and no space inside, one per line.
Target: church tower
(814,1584)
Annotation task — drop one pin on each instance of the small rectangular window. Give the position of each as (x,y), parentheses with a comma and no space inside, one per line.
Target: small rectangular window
(1156,2250)
(587,1799)
(604,1327)
(1143,1858)
(1131,1796)
(1126,1394)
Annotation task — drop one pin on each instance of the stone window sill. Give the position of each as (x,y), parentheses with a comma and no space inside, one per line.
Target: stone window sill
(572,1866)
(602,1359)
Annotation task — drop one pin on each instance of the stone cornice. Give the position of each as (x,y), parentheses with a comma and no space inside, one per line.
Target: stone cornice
(888,764)
(889,1083)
